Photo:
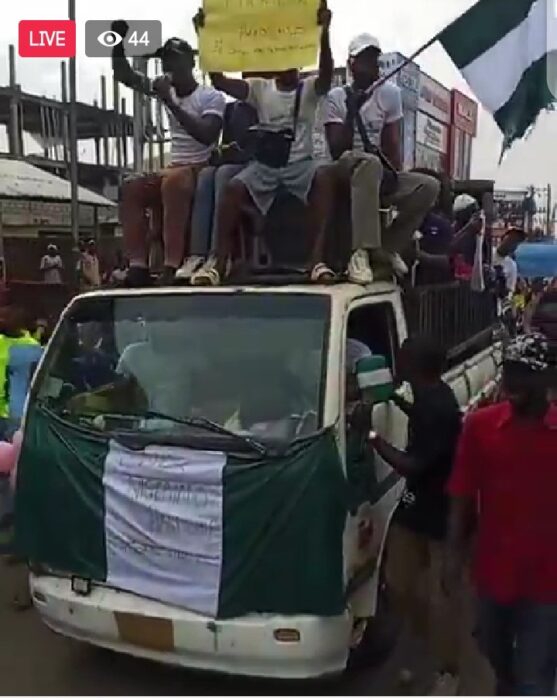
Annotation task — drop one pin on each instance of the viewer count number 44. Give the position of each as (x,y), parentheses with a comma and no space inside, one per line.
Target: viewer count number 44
(144,36)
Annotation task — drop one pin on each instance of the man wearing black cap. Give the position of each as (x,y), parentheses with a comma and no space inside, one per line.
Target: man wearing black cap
(196,114)
(503,496)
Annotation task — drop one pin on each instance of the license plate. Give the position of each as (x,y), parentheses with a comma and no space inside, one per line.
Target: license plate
(153,633)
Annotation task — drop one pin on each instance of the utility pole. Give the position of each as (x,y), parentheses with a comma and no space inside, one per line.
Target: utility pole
(73,150)
(549,230)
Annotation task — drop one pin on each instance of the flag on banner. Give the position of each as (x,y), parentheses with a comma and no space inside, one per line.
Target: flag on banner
(214,534)
(507,52)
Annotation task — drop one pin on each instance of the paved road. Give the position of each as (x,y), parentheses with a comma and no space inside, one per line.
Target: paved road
(34,661)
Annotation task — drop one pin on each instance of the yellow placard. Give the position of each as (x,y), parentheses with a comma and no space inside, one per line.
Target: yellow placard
(259,35)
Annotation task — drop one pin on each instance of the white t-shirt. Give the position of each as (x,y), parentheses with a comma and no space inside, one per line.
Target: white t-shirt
(185,149)
(383,107)
(510,270)
(275,110)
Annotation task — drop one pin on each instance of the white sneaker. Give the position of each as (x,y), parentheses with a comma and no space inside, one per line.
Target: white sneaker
(445,684)
(191,265)
(359,269)
(207,275)
(400,268)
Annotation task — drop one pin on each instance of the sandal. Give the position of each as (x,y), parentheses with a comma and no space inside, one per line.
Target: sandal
(322,273)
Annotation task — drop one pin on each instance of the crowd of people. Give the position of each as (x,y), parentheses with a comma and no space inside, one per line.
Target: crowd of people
(89,272)
(477,498)
(21,345)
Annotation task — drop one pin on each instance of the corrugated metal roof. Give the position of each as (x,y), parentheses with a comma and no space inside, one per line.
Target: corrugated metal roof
(21,179)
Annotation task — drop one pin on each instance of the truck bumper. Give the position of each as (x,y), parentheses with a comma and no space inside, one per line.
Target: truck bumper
(245,646)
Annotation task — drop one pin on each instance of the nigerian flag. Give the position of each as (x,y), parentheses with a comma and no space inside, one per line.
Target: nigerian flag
(216,534)
(507,51)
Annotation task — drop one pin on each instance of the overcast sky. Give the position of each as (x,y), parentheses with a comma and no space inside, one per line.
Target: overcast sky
(401,25)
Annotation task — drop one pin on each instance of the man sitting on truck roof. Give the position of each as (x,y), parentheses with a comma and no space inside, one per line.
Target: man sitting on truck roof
(286,108)
(196,114)
(362,124)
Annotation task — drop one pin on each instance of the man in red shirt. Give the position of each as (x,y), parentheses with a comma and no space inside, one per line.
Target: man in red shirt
(503,489)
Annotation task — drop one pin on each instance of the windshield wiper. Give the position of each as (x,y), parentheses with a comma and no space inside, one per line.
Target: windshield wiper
(210,426)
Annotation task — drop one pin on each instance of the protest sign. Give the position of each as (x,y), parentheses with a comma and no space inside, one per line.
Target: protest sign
(259,35)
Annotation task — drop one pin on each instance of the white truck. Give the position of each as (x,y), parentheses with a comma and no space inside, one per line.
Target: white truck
(184,490)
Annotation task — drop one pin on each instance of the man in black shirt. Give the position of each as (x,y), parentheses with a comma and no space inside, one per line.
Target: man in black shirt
(418,528)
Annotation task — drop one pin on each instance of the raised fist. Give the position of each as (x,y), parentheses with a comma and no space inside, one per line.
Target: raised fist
(120,27)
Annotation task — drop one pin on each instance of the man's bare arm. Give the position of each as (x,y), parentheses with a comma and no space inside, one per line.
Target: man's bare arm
(123,72)
(238,89)
(390,144)
(462,524)
(340,138)
(326,61)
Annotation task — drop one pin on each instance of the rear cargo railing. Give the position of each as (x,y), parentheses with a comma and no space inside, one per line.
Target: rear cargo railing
(451,314)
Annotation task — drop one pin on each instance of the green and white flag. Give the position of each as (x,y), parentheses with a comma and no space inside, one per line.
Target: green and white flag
(219,535)
(507,52)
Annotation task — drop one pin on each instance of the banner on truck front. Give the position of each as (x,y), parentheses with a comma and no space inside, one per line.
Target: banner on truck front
(216,534)
(259,35)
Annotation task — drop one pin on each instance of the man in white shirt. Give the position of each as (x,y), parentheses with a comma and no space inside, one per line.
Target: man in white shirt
(286,107)
(363,133)
(196,117)
(503,257)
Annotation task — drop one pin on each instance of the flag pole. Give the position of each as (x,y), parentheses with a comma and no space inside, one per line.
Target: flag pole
(406,62)
(73,148)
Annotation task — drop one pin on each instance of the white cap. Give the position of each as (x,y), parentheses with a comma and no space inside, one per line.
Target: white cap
(362,42)
(355,351)
(463,202)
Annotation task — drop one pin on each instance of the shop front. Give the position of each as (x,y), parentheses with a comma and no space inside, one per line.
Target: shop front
(463,131)
(432,125)
(408,80)
(432,143)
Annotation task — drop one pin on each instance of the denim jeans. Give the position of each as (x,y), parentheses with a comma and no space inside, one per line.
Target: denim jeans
(211,185)
(520,642)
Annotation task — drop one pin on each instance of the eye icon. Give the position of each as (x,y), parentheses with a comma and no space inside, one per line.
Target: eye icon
(109,38)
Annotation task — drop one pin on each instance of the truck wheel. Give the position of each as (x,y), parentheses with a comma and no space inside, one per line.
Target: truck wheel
(380,636)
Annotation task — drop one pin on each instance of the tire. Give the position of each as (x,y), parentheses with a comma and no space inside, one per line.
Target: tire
(381,635)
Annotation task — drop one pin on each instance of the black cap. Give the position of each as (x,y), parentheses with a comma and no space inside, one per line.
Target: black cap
(177,47)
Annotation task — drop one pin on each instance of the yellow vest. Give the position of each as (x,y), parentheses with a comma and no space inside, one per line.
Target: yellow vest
(6,344)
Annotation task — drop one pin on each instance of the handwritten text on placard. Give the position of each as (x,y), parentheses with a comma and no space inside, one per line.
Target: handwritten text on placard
(259,35)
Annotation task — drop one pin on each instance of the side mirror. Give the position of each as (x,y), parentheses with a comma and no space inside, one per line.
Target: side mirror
(375,379)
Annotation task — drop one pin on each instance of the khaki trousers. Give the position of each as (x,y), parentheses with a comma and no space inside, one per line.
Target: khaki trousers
(446,624)
(415,196)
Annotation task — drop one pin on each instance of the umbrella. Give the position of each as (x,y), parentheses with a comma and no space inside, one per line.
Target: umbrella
(537,260)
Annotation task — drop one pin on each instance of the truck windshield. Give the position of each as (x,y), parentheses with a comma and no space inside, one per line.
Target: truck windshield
(250,363)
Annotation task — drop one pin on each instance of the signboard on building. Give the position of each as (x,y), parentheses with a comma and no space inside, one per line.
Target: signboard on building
(409,140)
(407,79)
(464,113)
(431,133)
(434,99)
(430,159)
(21,212)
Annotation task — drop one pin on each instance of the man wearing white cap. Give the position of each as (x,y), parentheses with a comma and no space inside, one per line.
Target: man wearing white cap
(363,133)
